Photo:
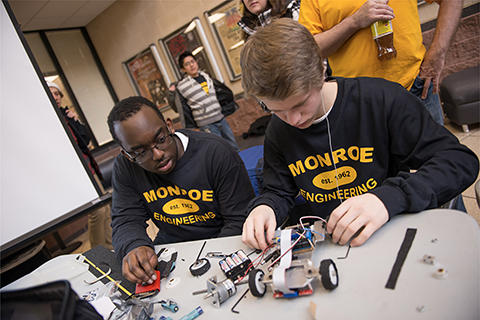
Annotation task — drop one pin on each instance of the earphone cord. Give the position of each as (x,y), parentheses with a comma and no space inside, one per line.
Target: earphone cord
(331,149)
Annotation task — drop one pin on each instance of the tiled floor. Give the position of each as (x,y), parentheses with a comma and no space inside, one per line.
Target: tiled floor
(470,139)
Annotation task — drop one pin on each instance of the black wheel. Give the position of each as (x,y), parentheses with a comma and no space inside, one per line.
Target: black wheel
(329,274)
(256,287)
(200,267)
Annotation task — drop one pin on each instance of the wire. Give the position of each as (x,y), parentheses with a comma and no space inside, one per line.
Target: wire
(331,148)
(309,241)
(310,217)
(289,249)
(318,233)
(252,263)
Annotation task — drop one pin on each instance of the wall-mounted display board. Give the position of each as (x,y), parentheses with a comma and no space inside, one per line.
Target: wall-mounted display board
(191,37)
(148,76)
(228,35)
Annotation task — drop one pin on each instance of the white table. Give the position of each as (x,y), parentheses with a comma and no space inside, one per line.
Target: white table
(361,293)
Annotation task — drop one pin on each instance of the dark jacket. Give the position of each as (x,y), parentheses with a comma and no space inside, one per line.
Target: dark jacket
(179,104)
(83,137)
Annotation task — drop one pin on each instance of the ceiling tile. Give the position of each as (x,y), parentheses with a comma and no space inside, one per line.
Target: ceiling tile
(44,24)
(57,9)
(94,8)
(56,14)
(77,21)
(26,9)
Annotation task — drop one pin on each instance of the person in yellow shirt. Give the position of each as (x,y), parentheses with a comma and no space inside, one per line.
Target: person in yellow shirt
(342,31)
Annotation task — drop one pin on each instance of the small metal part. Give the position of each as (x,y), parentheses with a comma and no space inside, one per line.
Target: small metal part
(429,259)
(244,281)
(238,301)
(99,278)
(435,240)
(421,309)
(199,292)
(213,254)
(169,305)
(220,291)
(441,273)
(172,283)
(346,255)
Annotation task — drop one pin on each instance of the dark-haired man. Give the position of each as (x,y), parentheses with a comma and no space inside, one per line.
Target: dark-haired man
(191,184)
(204,101)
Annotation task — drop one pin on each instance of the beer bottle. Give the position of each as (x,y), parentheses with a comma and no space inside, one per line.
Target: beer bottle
(382,32)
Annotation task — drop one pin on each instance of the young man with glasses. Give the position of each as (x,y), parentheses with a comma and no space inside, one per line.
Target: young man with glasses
(201,101)
(341,142)
(193,186)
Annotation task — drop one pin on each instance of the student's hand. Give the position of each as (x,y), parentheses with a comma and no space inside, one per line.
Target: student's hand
(260,220)
(372,11)
(366,211)
(172,87)
(138,265)
(72,114)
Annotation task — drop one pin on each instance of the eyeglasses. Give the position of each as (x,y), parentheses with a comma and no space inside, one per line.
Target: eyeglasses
(186,64)
(163,143)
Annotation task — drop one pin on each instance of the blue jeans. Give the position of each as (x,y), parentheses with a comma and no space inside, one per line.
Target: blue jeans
(431,102)
(222,128)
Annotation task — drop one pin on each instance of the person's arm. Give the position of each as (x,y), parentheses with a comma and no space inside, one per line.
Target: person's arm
(131,243)
(329,41)
(447,23)
(443,168)
(71,114)
(186,111)
(171,97)
(78,129)
(271,208)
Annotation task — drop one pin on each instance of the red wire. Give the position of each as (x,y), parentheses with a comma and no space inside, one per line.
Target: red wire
(251,263)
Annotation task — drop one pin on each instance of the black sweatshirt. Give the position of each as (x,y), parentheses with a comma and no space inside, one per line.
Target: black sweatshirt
(205,196)
(376,128)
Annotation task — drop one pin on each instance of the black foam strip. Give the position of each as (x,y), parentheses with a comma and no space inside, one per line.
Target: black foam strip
(401,256)
(104,259)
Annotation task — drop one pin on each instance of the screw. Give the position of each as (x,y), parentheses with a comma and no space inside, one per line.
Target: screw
(421,309)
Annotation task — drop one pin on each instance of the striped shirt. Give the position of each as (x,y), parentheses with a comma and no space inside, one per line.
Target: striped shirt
(205,107)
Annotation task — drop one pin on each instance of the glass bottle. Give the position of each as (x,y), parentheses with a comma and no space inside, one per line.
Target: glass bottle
(382,32)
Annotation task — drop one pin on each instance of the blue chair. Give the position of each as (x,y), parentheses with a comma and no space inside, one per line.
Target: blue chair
(253,160)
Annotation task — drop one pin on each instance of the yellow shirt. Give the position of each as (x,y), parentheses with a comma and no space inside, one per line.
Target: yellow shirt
(357,57)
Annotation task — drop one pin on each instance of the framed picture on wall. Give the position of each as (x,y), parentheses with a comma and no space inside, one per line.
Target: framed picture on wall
(228,35)
(191,37)
(148,76)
